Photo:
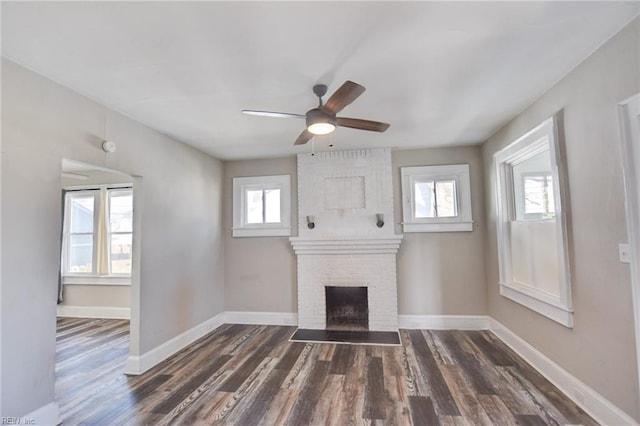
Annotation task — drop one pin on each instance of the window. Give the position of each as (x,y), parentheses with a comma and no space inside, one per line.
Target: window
(120,232)
(532,247)
(98,233)
(261,206)
(436,198)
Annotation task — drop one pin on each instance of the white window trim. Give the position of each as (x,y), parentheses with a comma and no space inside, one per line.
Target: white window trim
(558,308)
(457,172)
(97,280)
(91,278)
(240,226)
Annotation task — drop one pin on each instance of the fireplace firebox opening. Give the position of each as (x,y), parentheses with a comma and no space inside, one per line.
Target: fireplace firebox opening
(347,308)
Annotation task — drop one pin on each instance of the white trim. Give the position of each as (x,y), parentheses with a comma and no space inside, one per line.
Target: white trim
(240,226)
(443,322)
(96,280)
(47,415)
(139,364)
(109,312)
(411,322)
(542,137)
(597,406)
(630,161)
(263,318)
(554,311)
(437,227)
(388,245)
(456,172)
(261,232)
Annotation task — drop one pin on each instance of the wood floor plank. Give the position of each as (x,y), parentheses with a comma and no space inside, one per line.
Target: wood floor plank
(536,400)
(464,396)
(280,408)
(253,375)
(235,381)
(398,412)
(354,382)
(290,357)
(341,360)
(262,398)
(374,393)
(422,411)
(531,420)
(496,410)
(126,403)
(302,411)
(191,385)
(469,366)
(439,391)
(330,403)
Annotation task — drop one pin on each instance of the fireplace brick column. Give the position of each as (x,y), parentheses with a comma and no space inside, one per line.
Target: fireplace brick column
(344,191)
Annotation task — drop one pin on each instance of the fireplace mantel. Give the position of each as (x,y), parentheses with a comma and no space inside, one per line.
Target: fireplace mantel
(388,245)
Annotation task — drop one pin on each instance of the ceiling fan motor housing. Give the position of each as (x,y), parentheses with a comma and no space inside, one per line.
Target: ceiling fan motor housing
(317,115)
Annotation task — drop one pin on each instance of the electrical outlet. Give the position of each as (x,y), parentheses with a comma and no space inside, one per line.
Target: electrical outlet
(623,253)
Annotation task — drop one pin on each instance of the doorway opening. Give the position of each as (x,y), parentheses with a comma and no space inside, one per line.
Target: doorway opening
(97,312)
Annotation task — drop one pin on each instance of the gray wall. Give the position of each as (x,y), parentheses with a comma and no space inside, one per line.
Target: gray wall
(109,296)
(599,350)
(442,272)
(260,272)
(181,250)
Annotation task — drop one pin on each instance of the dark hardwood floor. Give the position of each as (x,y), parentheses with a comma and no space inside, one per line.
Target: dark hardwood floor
(252,375)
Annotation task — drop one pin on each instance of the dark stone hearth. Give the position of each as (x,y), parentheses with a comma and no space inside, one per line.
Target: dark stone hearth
(347,336)
(347,308)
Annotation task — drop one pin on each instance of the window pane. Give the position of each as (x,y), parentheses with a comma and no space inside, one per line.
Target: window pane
(272,206)
(446,198)
(81,209)
(121,253)
(534,188)
(550,206)
(424,205)
(254,206)
(80,253)
(121,210)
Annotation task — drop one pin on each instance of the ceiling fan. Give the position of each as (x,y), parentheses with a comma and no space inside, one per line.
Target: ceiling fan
(322,120)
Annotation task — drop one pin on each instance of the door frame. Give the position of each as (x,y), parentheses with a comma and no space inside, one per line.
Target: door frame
(630,161)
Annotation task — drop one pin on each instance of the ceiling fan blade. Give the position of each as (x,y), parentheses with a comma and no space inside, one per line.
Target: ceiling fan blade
(356,123)
(272,114)
(304,137)
(342,97)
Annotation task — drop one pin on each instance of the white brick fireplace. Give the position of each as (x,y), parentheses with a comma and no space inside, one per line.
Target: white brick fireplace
(343,193)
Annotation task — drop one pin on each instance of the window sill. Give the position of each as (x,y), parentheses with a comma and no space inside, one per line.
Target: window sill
(438,227)
(96,280)
(261,232)
(529,298)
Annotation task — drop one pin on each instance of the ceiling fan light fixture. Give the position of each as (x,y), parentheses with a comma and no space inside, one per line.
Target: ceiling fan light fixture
(321,128)
(319,122)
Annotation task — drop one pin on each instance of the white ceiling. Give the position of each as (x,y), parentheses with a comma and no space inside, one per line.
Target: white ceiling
(442,73)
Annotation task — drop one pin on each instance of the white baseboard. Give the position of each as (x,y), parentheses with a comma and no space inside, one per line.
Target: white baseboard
(263,318)
(434,322)
(597,406)
(443,322)
(139,364)
(94,312)
(47,415)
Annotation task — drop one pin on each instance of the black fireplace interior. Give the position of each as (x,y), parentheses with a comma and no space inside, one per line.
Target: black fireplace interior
(347,308)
